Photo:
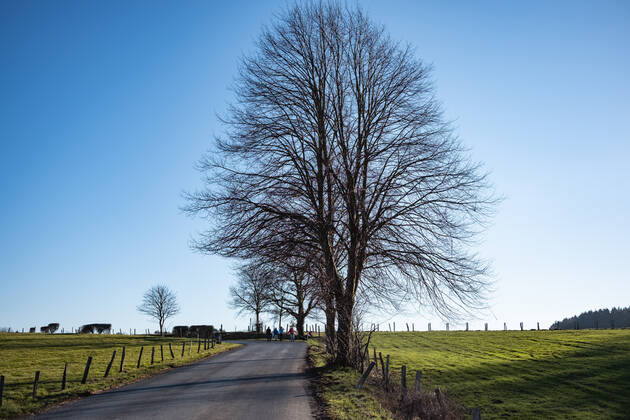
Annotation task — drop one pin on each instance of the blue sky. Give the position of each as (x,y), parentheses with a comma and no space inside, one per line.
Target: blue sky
(106,106)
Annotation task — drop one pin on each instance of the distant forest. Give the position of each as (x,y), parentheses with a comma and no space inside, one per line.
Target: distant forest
(600,319)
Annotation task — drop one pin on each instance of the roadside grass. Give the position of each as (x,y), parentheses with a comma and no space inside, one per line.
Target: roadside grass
(21,355)
(582,374)
(334,389)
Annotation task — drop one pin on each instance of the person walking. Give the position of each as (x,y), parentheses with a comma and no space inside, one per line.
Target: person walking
(268,334)
(292,333)
(280,332)
(275,334)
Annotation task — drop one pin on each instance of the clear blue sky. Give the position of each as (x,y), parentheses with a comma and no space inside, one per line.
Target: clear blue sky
(106,106)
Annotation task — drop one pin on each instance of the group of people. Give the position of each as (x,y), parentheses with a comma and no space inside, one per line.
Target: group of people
(277,333)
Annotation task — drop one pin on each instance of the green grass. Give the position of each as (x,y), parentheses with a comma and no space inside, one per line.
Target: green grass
(521,374)
(334,388)
(23,354)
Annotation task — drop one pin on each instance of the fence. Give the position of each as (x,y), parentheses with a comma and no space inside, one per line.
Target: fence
(128,362)
(409,403)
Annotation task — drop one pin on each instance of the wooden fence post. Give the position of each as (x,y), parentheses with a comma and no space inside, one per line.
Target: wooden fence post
(87,369)
(122,359)
(407,326)
(109,365)
(365,375)
(140,357)
(476,413)
(429,327)
(190,348)
(403,381)
(413,327)
(1,388)
(505,326)
(63,378)
(447,326)
(35,384)
(380,356)
(418,384)
(375,359)
(170,348)
(538,325)
(387,373)
(162,352)
(198,344)
(394,326)
(390,327)
(521,326)
(183,348)
(486,326)
(152,353)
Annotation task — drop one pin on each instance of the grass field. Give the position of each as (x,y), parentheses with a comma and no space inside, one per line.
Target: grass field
(23,354)
(520,374)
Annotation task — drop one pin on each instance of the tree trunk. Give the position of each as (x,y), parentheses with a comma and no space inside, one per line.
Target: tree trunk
(257,322)
(299,323)
(344,331)
(330,327)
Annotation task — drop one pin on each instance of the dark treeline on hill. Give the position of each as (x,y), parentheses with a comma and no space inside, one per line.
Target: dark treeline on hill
(600,319)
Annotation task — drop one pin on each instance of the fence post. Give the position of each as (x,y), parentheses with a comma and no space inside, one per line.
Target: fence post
(387,373)
(505,326)
(109,366)
(35,384)
(418,384)
(486,326)
(467,326)
(1,388)
(365,375)
(538,325)
(183,348)
(162,352)
(198,344)
(447,326)
(476,413)
(375,359)
(63,378)
(390,327)
(171,350)
(429,327)
(87,369)
(413,328)
(122,359)
(380,356)
(394,326)
(152,353)
(403,381)
(140,357)
(521,326)
(407,326)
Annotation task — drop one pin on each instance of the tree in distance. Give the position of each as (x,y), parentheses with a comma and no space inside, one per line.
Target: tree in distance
(336,139)
(159,303)
(251,292)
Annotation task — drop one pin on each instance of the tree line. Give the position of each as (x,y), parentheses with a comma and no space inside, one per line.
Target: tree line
(338,183)
(601,318)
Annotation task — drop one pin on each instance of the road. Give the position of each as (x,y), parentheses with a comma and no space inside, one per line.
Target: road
(260,381)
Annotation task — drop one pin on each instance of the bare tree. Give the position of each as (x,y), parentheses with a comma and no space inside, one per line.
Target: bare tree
(251,291)
(336,143)
(159,303)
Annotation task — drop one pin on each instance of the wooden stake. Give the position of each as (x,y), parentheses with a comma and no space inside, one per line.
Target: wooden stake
(122,359)
(403,381)
(140,357)
(365,375)
(63,378)
(35,384)
(1,388)
(152,354)
(183,348)
(109,366)
(170,348)
(387,373)
(162,352)
(87,370)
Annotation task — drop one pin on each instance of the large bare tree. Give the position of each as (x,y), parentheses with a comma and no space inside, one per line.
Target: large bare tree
(159,303)
(336,141)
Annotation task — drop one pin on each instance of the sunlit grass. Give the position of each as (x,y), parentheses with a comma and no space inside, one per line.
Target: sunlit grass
(521,374)
(21,355)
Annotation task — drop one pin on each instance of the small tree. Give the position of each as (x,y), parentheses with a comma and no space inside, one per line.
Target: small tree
(159,303)
(250,293)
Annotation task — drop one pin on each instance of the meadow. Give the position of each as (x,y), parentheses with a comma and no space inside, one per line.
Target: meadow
(581,374)
(21,355)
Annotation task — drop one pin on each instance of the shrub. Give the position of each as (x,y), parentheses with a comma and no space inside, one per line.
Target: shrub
(52,327)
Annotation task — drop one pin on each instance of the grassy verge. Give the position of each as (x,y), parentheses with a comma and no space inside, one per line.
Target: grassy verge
(21,355)
(335,391)
(518,374)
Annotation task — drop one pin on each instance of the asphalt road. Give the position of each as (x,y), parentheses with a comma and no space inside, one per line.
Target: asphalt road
(258,381)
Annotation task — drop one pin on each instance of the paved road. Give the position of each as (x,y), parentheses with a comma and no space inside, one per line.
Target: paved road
(258,381)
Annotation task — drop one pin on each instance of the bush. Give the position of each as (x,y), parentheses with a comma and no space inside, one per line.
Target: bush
(200,330)
(180,331)
(52,327)
(43,329)
(92,328)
